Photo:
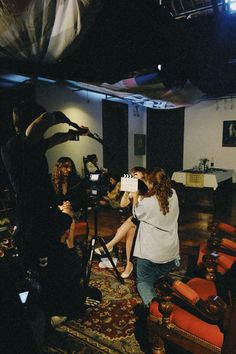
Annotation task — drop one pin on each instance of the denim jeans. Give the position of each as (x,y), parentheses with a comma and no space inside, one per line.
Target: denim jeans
(147,275)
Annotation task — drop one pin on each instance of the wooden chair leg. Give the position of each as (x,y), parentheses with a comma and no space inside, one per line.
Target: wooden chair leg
(158,346)
(155,340)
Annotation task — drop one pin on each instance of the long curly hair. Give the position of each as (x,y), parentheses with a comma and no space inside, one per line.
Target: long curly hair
(161,187)
(57,177)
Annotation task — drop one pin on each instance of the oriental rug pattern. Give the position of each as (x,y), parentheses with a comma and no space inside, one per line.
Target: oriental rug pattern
(108,327)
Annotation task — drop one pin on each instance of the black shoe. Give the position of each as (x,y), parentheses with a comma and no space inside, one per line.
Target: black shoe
(140,328)
(141,311)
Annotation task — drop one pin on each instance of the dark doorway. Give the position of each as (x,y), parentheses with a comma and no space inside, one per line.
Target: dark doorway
(165,132)
(115,136)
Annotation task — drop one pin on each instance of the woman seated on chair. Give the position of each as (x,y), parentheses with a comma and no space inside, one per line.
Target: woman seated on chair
(68,236)
(128,228)
(112,199)
(70,187)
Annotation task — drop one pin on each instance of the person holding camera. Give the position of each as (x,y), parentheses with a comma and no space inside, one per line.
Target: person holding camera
(27,167)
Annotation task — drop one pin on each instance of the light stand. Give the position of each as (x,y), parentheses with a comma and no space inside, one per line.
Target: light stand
(99,240)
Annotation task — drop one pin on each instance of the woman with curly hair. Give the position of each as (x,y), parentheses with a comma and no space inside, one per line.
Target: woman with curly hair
(128,227)
(69,187)
(157,243)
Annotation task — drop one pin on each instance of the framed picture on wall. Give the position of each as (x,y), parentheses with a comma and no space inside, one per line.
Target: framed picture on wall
(229,133)
(139,144)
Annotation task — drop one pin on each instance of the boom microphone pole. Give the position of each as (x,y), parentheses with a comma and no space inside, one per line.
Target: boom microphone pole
(94,136)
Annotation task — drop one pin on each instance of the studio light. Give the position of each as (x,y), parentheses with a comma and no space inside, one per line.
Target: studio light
(231,5)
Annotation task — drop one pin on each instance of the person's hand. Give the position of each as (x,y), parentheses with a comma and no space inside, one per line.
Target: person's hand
(66,208)
(75,134)
(67,204)
(84,130)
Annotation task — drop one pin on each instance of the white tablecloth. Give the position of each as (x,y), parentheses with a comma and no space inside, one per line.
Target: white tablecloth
(210,179)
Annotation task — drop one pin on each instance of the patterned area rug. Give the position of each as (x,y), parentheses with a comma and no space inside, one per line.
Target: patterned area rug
(107,328)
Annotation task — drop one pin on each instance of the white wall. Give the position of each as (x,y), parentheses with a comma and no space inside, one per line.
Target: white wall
(203,133)
(137,125)
(84,108)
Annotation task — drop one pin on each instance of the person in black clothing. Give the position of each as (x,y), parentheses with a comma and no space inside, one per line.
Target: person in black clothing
(56,270)
(24,158)
(70,187)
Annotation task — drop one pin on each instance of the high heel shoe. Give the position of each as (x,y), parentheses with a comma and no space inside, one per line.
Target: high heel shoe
(100,251)
(125,274)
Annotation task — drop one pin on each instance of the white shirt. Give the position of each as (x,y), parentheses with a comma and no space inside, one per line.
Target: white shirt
(157,237)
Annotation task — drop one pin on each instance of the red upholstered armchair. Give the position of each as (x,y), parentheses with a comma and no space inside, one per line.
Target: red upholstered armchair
(191,316)
(79,231)
(219,252)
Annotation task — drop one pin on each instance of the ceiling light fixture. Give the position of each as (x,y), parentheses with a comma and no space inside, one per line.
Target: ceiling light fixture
(231,6)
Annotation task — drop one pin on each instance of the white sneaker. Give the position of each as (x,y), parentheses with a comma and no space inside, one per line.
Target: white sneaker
(56,320)
(105,263)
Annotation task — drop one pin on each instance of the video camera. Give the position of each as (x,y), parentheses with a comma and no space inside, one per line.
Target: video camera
(94,183)
(97,186)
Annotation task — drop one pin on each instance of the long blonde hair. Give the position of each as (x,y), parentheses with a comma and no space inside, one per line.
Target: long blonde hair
(57,177)
(161,187)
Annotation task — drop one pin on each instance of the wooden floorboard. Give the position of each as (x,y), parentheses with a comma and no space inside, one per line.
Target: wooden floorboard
(193,224)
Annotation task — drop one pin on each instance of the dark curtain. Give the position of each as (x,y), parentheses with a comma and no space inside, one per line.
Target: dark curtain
(165,139)
(115,137)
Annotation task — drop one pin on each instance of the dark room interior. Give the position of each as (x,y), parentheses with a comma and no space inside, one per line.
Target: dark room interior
(156,81)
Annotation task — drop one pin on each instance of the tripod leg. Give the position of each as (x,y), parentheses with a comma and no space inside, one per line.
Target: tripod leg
(89,264)
(107,253)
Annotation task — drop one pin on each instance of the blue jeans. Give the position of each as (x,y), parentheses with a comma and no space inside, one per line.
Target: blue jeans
(147,275)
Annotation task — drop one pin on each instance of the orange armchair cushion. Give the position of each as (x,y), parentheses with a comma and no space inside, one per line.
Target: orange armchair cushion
(227,228)
(197,327)
(190,323)
(228,243)
(225,262)
(186,291)
(203,287)
(81,228)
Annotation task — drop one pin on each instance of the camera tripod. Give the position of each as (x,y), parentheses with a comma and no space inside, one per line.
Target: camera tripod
(99,240)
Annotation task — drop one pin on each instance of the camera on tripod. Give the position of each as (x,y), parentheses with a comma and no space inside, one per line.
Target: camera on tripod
(95,188)
(98,189)
(94,179)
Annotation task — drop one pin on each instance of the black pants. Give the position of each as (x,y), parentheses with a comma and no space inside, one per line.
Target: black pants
(62,291)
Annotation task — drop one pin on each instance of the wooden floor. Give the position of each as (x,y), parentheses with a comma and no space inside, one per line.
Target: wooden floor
(193,225)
